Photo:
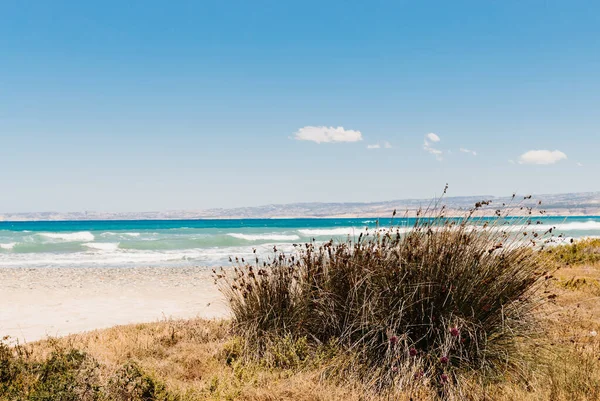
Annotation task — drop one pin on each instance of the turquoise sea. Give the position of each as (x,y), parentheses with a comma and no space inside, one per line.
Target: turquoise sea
(193,242)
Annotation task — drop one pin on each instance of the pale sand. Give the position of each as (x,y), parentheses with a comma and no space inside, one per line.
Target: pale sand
(41,302)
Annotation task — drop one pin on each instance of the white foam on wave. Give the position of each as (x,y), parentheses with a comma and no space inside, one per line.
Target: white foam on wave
(574,226)
(331,231)
(10,245)
(81,236)
(583,226)
(265,237)
(82,259)
(135,258)
(111,233)
(103,246)
(344,231)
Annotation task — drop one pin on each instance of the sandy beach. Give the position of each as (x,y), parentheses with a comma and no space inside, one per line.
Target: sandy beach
(41,302)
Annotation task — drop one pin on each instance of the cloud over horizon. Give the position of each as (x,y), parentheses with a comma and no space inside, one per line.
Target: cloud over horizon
(386,145)
(324,134)
(432,137)
(427,145)
(542,157)
(464,150)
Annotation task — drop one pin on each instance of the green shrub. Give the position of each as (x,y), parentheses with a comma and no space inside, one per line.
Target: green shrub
(132,383)
(66,375)
(441,298)
(581,252)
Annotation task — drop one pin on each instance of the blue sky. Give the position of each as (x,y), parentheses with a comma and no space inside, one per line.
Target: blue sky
(137,106)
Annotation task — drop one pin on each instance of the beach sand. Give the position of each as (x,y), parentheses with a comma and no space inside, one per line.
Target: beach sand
(41,302)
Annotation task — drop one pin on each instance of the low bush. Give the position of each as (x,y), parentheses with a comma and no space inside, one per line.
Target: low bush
(132,383)
(581,252)
(68,374)
(65,374)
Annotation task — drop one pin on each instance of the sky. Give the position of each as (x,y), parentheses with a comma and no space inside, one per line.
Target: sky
(147,106)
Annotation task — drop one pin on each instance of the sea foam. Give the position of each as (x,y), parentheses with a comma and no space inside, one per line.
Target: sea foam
(265,237)
(81,236)
(190,257)
(103,246)
(331,231)
(10,245)
(574,226)
(111,233)
(583,226)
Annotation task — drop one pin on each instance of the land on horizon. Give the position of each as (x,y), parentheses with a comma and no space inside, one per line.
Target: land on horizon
(568,204)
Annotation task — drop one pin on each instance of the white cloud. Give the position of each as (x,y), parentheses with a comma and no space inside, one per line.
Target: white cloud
(327,134)
(385,145)
(464,150)
(579,164)
(431,137)
(542,157)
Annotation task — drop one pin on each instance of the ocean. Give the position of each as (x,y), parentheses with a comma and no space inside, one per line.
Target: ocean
(143,243)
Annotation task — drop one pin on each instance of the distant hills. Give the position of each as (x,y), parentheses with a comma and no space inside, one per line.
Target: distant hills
(569,204)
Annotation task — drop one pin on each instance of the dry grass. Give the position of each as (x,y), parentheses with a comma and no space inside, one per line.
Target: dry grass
(566,364)
(191,358)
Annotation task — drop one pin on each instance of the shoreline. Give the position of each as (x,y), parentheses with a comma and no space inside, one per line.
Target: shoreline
(58,301)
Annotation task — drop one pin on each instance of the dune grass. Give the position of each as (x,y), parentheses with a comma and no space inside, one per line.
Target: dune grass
(425,308)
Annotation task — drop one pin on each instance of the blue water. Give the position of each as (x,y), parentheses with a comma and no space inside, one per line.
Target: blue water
(193,242)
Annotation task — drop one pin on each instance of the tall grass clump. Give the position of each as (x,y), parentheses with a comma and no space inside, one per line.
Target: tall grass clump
(443,299)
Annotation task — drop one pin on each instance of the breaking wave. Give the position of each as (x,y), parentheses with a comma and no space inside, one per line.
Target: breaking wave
(264,237)
(331,231)
(103,246)
(82,236)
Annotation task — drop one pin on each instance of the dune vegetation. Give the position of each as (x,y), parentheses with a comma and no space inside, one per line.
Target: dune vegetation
(440,311)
